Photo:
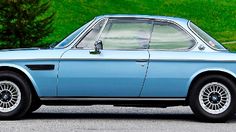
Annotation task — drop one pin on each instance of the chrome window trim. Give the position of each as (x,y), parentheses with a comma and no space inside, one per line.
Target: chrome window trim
(150,37)
(81,36)
(188,24)
(103,27)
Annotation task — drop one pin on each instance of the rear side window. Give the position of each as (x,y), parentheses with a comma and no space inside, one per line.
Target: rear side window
(168,36)
(207,38)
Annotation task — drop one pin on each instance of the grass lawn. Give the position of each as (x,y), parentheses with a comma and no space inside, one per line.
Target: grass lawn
(231,47)
(218,18)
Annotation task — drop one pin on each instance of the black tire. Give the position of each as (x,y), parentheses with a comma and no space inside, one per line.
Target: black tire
(25,92)
(34,106)
(206,115)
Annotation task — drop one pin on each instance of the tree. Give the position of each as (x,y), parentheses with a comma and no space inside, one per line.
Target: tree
(24,23)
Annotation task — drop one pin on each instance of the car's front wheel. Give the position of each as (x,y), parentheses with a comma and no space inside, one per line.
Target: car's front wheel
(213,98)
(15,95)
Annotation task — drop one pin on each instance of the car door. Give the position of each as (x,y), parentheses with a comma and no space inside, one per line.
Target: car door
(168,74)
(117,71)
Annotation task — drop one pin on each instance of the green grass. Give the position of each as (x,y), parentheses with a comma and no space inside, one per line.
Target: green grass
(217,17)
(231,47)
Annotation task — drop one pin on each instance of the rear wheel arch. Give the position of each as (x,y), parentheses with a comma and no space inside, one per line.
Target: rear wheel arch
(212,97)
(23,74)
(207,73)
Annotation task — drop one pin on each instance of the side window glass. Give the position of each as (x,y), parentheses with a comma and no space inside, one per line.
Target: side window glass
(126,34)
(88,41)
(167,36)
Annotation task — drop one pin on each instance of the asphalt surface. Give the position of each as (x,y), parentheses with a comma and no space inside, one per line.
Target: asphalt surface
(109,118)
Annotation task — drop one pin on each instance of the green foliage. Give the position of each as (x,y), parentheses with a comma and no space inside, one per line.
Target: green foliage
(23,23)
(231,47)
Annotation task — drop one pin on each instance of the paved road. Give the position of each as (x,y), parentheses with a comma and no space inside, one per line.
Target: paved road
(109,118)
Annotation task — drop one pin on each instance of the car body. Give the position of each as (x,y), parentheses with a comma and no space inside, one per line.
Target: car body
(123,60)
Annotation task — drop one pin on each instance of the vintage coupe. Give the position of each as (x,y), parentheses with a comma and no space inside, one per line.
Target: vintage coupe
(123,60)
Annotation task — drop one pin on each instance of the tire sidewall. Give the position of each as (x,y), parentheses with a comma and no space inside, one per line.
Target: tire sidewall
(25,101)
(197,108)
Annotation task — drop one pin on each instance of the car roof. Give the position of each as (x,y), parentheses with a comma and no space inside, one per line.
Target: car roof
(175,19)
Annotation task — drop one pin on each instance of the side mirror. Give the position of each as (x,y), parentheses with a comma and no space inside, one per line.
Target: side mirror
(97,47)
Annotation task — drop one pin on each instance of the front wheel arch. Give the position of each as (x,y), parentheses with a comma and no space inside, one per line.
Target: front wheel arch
(18,71)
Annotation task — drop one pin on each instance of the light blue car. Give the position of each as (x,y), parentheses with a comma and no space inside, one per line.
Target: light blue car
(123,60)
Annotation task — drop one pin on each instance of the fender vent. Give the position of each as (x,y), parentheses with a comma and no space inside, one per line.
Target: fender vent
(41,67)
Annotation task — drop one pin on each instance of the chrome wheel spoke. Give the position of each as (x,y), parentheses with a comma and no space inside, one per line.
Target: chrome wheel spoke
(220,105)
(207,91)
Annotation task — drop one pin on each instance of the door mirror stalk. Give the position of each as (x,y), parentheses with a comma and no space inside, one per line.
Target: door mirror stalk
(98,46)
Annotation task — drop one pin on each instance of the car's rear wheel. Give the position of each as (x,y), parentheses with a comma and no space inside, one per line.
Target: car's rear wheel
(15,95)
(213,98)
(34,106)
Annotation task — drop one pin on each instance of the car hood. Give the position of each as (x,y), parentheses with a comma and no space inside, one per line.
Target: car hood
(30,54)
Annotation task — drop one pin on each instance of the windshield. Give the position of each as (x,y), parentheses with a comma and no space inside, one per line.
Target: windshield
(71,37)
(207,38)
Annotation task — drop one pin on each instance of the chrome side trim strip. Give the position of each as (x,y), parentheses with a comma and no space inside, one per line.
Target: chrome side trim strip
(115,59)
(32,59)
(192,60)
(110,99)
